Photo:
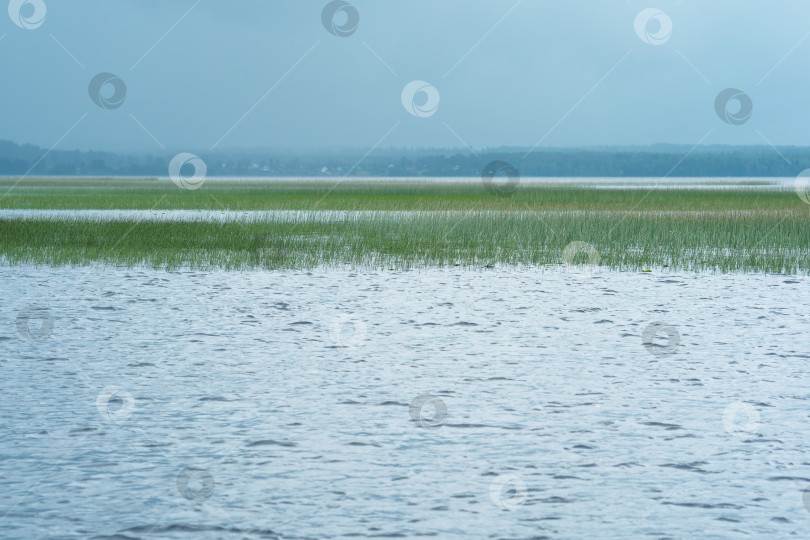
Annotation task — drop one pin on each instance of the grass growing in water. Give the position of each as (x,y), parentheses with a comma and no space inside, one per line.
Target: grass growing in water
(146,194)
(728,243)
(716,230)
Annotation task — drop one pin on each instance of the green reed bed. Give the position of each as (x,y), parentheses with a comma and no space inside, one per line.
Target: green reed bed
(146,194)
(723,242)
(445,224)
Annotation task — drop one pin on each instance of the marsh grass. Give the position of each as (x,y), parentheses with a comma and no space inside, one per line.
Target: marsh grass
(681,229)
(724,243)
(146,194)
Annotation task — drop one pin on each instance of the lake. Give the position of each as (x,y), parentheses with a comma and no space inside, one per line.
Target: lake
(441,403)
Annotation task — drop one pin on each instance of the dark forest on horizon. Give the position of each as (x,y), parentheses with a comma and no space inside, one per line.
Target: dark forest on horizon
(652,161)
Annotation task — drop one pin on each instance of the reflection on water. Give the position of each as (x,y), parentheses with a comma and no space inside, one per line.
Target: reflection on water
(449,404)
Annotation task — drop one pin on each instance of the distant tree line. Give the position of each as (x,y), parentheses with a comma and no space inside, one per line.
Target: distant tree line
(655,161)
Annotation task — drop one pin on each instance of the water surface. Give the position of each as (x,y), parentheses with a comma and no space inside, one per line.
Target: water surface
(280,404)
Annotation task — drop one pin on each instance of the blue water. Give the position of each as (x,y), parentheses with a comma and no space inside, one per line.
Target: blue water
(430,404)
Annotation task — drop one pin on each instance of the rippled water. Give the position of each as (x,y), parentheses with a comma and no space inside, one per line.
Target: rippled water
(438,403)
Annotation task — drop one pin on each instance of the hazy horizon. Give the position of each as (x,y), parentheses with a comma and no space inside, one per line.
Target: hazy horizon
(656,147)
(515,73)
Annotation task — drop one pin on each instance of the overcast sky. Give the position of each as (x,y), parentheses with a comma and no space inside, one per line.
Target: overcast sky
(268,73)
